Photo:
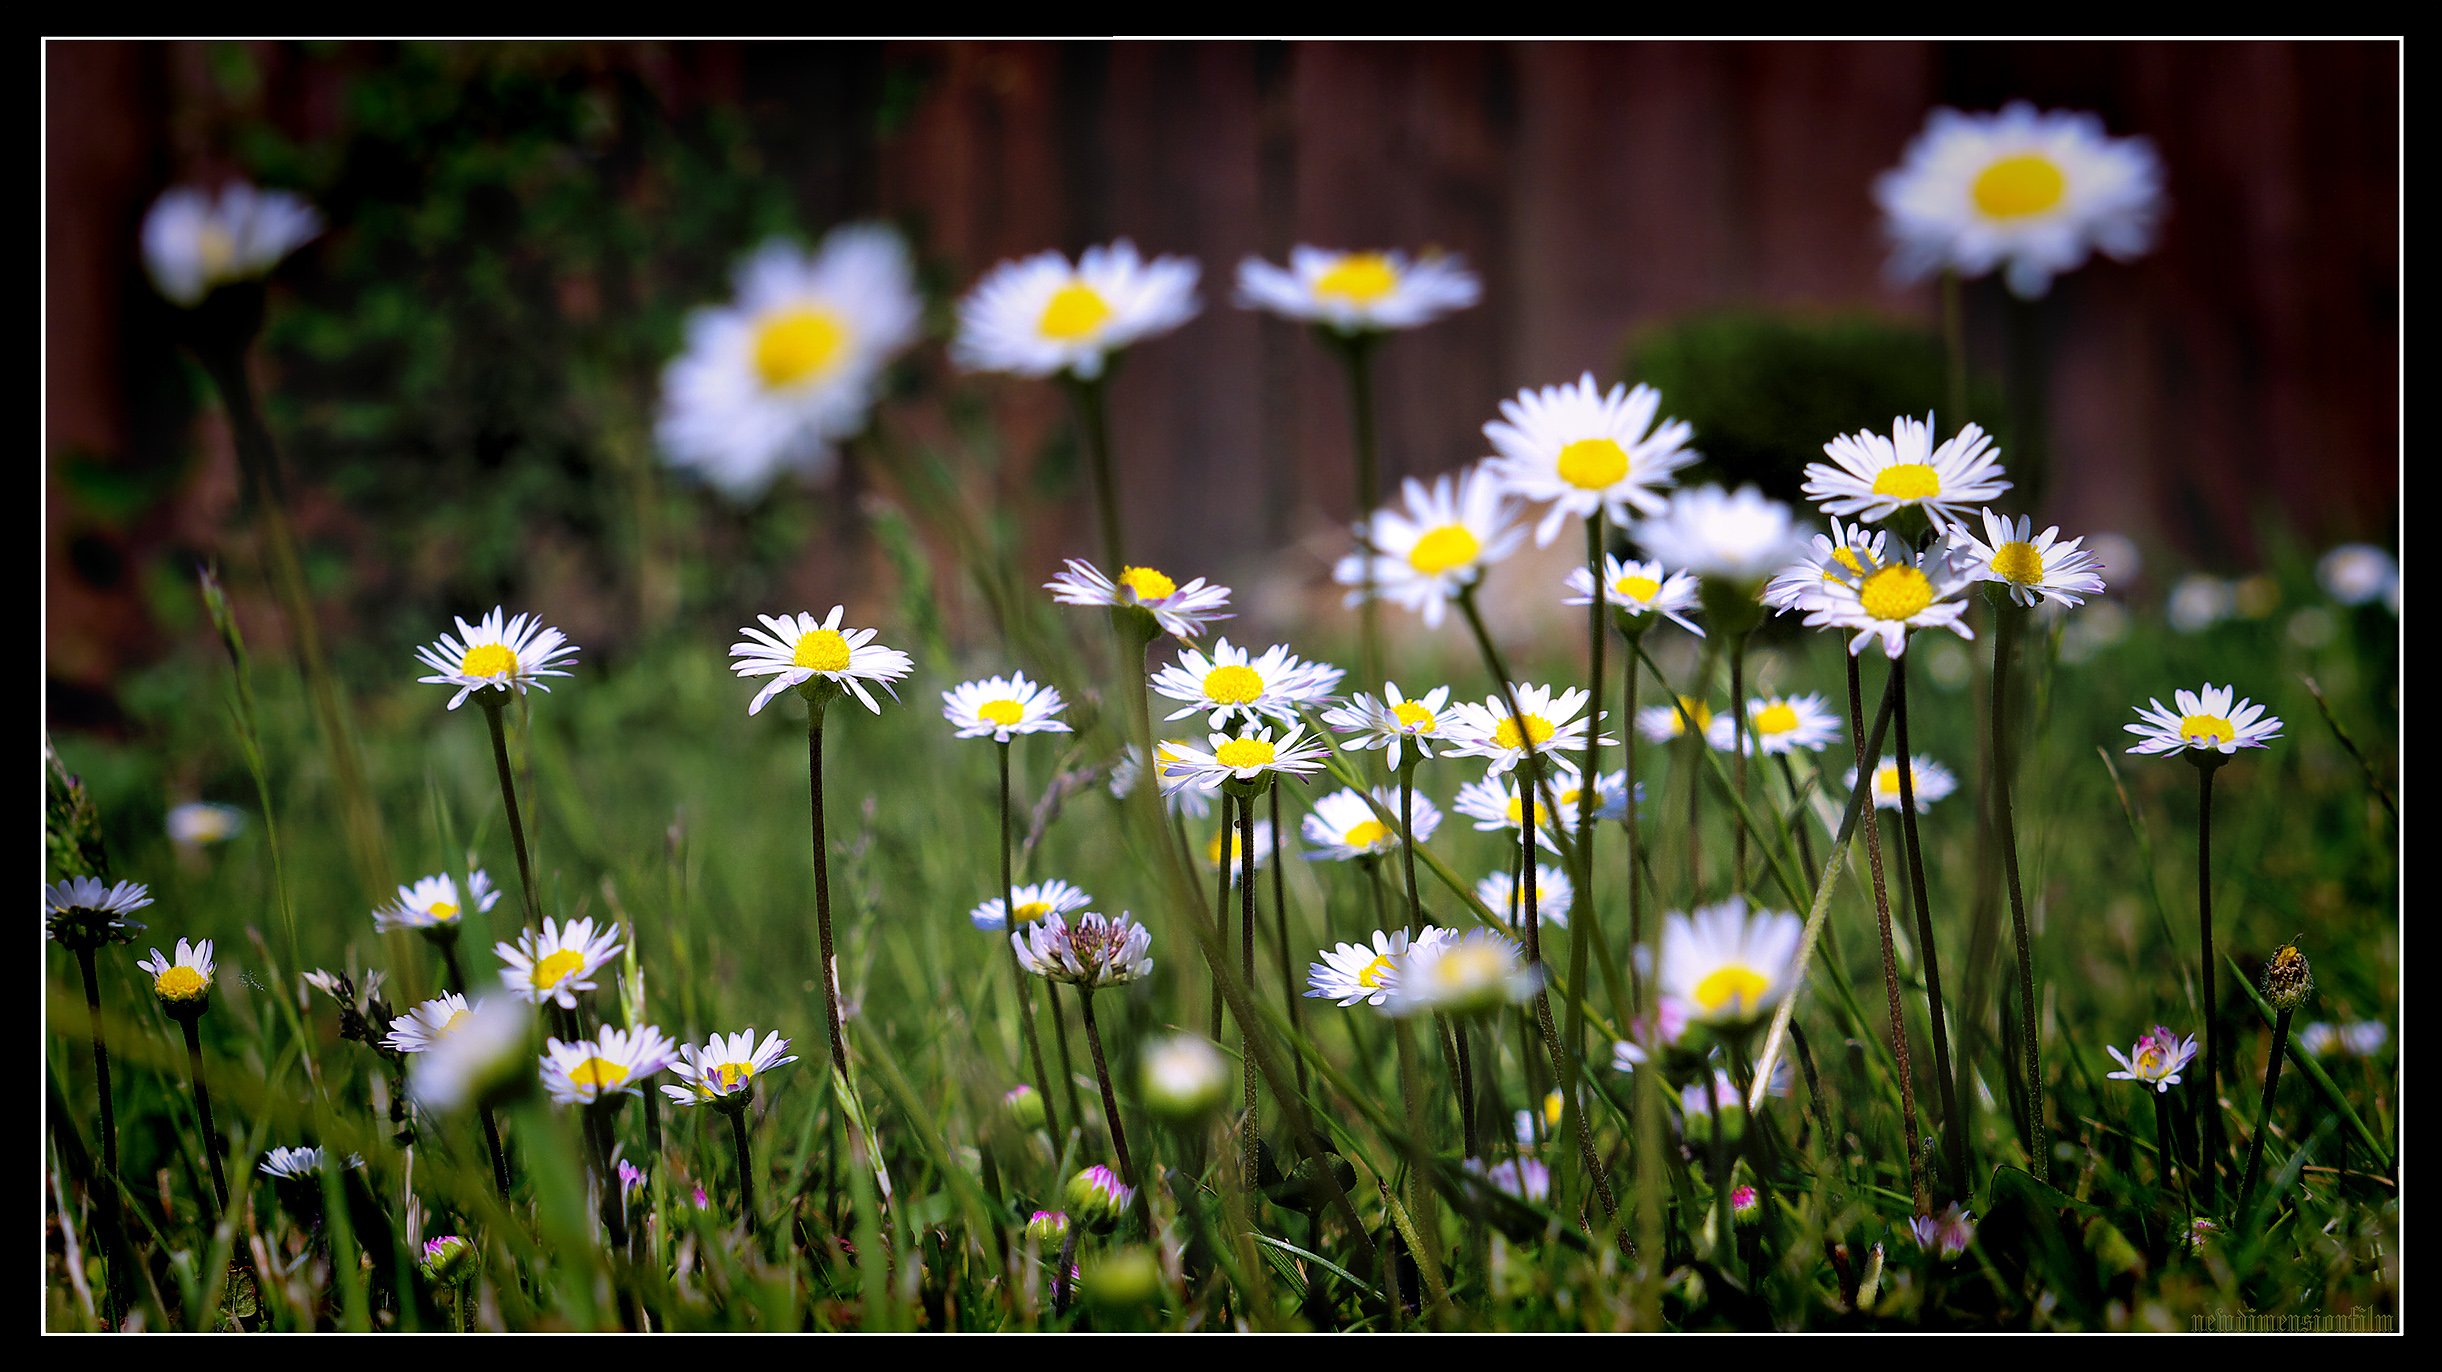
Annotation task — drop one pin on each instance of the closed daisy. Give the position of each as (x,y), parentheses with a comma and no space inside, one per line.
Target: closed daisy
(1467,973)
(1039,316)
(1180,611)
(796,650)
(2216,720)
(1092,952)
(433,903)
(1001,708)
(723,1071)
(1546,724)
(197,241)
(612,1063)
(183,981)
(2033,568)
(1872,477)
(424,1026)
(1928,781)
(1583,450)
(1553,896)
(1394,722)
(2156,1060)
(1893,597)
(1344,827)
(1353,972)
(560,963)
(1252,759)
(1780,724)
(496,655)
(1729,965)
(1231,682)
(1635,590)
(1040,901)
(82,913)
(1439,545)
(1849,550)
(1358,292)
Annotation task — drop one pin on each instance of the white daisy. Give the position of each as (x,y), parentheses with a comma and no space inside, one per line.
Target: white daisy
(199,823)
(1524,1123)
(420,1029)
(1729,966)
(1344,827)
(1180,611)
(1462,974)
(1423,558)
(560,964)
(1183,1077)
(1253,757)
(1892,597)
(1872,477)
(1928,781)
(496,656)
(292,1164)
(2035,568)
(1494,803)
(1358,292)
(1039,316)
(2359,1040)
(1037,901)
(1094,951)
(432,903)
(775,379)
(1738,538)
(2215,720)
(725,1068)
(1233,843)
(2156,1060)
(2198,602)
(1391,722)
(1849,550)
(468,1060)
(1232,682)
(1125,773)
(1353,972)
(1585,450)
(1546,724)
(1662,723)
(2032,193)
(197,241)
(182,983)
(2358,574)
(1654,1032)
(1636,589)
(1554,896)
(1780,724)
(1002,707)
(795,649)
(611,1063)
(83,913)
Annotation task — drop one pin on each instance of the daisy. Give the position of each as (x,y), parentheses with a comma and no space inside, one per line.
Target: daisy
(1463,973)
(1040,316)
(1545,724)
(1047,899)
(1190,802)
(1528,1179)
(560,964)
(292,1164)
(1585,450)
(422,1028)
(1231,682)
(501,657)
(1656,1031)
(2156,1059)
(723,1071)
(2358,574)
(774,380)
(466,1061)
(1892,597)
(1738,539)
(796,649)
(2361,1040)
(1873,477)
(1610,798)
(1391,722)
(1523,1122)
(2215,721)
(1946,1234)
(2034,569)
(1730,966)
(2199,602)
(1698,1106)
(1636,589)
(1495,804)
(1095,951)
(1928,781)
(446,1257)
(610,1064)
(1354,293)
(1553,896)
(1183,1077)
(1848,552)
(1343,826)
(1253,758)
(198,823)
(197,241)
(183,983)
(1352,972)
(1422,559)
(1662,723)
(1180,611)
(2032,193)
(1003,707)
(432,903)
(1780,724)
(82,913)
(1235,847)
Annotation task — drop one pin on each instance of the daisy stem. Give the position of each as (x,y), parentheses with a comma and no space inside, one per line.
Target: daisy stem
(606,1174)
(2263,1115)
(1563,1062)
(822,892)
(1060,1282)
(1565,845)
(449,964)
(1407,841)
(1954,348)
(746,1166)
(1588,783)
(500,1155)
(1094,431)
(508,798)
(1636,904)
(1102,1078)
(1738,759)
(2005,622)
(1357,351)
(1466,1089)
(1954,1128)
(1797,813)
(1890,961)
(1280,923)
(2210,1162)
(1017,971)
(211,1136)
(1247,1135)
(101,1065)
(1221,864)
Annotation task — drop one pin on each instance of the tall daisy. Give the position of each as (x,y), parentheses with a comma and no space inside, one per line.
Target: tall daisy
(1873,477)
(1849,550)
(2214,721)
(1180,611)
(1406,728)
(1545,725)
(1250,760)
(197,241)
(1090,954)
(1928,781)
(422,1027)
(722,1074)
(1003,707)
(1343,826)
(1231,682)
(1729,965)
(82,915)
(496,656)
(1463,974)
(1358,292)
(552,968)
(182,986)
(799,650)
(1040,316)
(1422,557)
(2034,568)
(1585,451)
(1635,590)
(1035,902)
(1353,972)
(1893,597)
(612,1063)
(1781,724)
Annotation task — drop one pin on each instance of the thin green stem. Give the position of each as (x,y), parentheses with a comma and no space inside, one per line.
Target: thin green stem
(203,1111)
(1247,1134)
(1102,1078)
(1280,924)
(2263,1114)
(1738,759)
(1582,925)
(491,704)
(1890,960)
(2210,1163)
(101,1066)
(1017,971)
(822,892)
(2030,1026)
(1954,1126)
(746,1167)
(499,1154)
(1221,868)
(1093,430)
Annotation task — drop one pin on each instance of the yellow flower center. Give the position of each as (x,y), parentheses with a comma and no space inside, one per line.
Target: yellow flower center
(1690,708)
(1371,833)
(450,1025)
(822,650)
(1444,549)
(1886,779)
(1030,912)
(1551,1110)
(1844,556)
(1735,986)
(1212,850)
(1895,593)
(442,910)
(1232,685)
(1241,753)
(1360,278)
(1538,731)
(488,659)
(731,1073)
(1908,481)
(558,967)
(2019,562)
(1516,810)
(1593,463)
(1414,717)
(600,1074)
(1641,589)
(1776,718)
(1075,312)
(798,344)
(2015,187)
(1001,712)
(2211,729)
(216,251)
(2149,1061)
(1467,964)
(1371,977)
(179,983)
(1147,584)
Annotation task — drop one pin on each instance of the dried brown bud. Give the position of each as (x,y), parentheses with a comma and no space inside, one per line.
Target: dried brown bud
(2288,980)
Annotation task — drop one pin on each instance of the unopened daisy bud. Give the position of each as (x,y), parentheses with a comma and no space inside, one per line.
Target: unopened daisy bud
(183,984)
(1097,1197)
(1184,1078)
(446,1258)
(1024,1106)
(1746,1206)
(1869,1286)
(1123,1279)
(1047,1228)
(2288,980)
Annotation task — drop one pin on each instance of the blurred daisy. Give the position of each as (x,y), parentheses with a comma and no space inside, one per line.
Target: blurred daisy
(1637,589)
(2216,720)
(1554,896)
(1183,1077)
(465,1061)
(1946,1235)
(1728,965)
(1739,539)
(1495,804)
(2034,569)
(1094,951)
(1039,316)
(1662,723)
(199,824)
(183,982)
(1232,682)
(1610,798)
(1849,550)
(795,649)
(1391,722)
(1524,1123)
(1125,773)
(2360,1040)
(1528,1179)
(559,964)
(723,1071)
(1546,724)
(2156,1059)
(1344,827)
(1656,1031)
(1253,757)
(1353,972)
(609,1064)
(1584,450)
(1873,477)
(423,1027)
(1002,707)
(1042,900)
(1928,781)
(775,379)
(197,241)
(496,656)
(1451,531)
(2357,573)
(1893,597)
(1462,974)
(432,903)
(1180,611)
(1698,1104)
(2031,193)
(291,1164)
(1358,292)
(1780,724)
(83,913)
(1234,845)
(2199,602)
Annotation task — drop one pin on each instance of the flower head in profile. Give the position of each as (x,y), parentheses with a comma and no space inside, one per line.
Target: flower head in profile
(1394,722)
(1232,683)
(723,1071)
(560,963)
(2156,1060)
(446,1258)
(1893,597)
(83,913)
(200,824)
(1039,316)
(292,1164)
(1180,611)
(2031,193)
(422,1027)
(506,657)
(1250,759)
(1928,781)
(1849,550)
(1735,538)
(1728,965)
(999,708)
(2215,721)
(478,1058)
(1873,477)
(1344,827)
(774,380)
(801,651)
(1094,951)
(1945,1235)
(432,903)
(1035,902)
(1353,972)
(1462,974)
(1125,773)
(197,241)
(1437,546)
(1546,723)
(2034,568)
(612,1063)
(1635,590)
(183,982)
(1097,1197)
(1779,725)
(1554,895)
(1354,293)
(1583,450)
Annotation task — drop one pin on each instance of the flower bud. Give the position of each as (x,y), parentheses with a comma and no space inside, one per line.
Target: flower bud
(1183,1078)
(1047,1228)
(1097,1197)
(1123,1279)
(447,1258)
(2288,979)
(1024,1106)
(1746,1206)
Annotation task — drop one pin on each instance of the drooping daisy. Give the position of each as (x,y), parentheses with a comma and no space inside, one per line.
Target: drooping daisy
(182,983)
(291,1164)
(1233,845)
(2156,1060)
(1636,589)
(1180,611)
(1780,724)
(2358,574)
(1872,477)
(198,824)
(612,1063)
(2031,193)
(2360,1040)
(1553,896)
(1392,722)
(197,241)
(1584,450)
(1231,682)
(2034,568)
(1125,773)
(1039,316)
(723,1071)
(1546,724)
(1343,827)
(1662,723)
(1495,804)
(1730,966)
(423,1027)
(774,380)
(1002,707)
(1928,781)
(1439,546)
(432,903)
(1736,538)
(1353,972)
(1849,550)
(1358,292)
(1463,974)
(1253,757)
(560,964)
(504,657)
(2216,720)
(1945,1235)
(83,913)
(1041,900)
(796,649)
(1892,597)
(1091,952)
(469,1060)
